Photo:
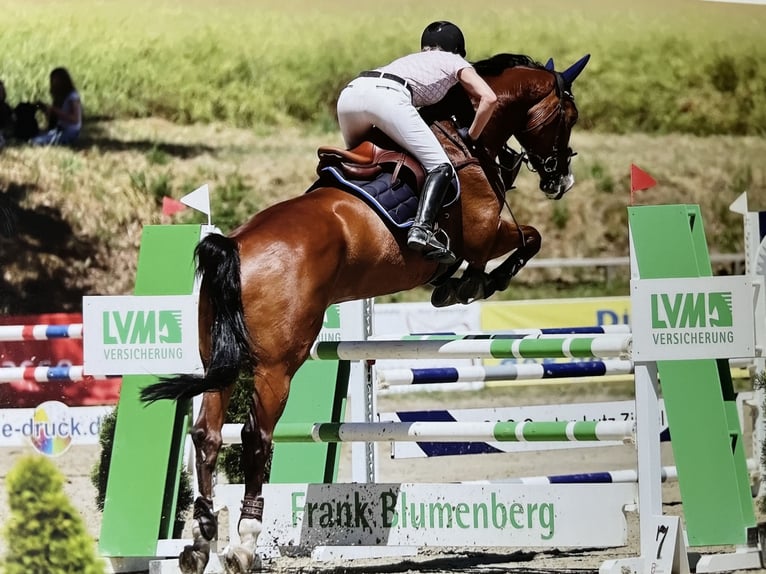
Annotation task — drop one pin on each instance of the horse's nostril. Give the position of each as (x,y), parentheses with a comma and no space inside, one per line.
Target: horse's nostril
(556,188)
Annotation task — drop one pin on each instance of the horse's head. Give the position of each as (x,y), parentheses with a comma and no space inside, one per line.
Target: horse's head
(536,105)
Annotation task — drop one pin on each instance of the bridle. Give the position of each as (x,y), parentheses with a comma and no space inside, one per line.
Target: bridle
(541,115)
(508,161)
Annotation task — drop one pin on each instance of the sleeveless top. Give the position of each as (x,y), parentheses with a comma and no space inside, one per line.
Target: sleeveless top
(68,106)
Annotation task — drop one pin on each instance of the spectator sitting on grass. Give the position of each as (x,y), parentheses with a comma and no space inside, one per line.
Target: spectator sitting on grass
(64,115)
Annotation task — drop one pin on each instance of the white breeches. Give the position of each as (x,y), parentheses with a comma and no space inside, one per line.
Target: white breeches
(387,105)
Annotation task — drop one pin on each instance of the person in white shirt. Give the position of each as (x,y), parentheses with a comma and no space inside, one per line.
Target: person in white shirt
(388,97)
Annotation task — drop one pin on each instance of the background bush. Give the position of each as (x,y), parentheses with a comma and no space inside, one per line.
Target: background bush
(673,66)
(99,475)
(45,534)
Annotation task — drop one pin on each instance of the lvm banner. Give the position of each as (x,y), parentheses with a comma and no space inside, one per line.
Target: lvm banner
(693,318)
(140,335)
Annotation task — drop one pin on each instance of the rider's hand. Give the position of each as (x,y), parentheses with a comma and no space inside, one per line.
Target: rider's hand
(467,139)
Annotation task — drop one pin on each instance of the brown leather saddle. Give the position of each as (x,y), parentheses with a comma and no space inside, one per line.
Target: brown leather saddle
(369,159)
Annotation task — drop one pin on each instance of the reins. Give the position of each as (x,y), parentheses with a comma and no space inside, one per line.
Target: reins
(496,182)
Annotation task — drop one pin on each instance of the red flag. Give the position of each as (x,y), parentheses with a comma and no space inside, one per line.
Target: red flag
(171,206)
(640,180)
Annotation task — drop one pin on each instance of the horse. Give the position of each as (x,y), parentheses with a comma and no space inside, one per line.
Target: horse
(265,287)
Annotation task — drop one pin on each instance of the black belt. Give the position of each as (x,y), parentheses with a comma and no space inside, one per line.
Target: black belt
(387,76)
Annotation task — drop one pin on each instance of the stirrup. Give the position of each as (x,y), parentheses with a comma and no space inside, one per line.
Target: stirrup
(433,248)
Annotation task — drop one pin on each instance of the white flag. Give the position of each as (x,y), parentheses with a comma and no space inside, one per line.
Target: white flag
(199,199)
(740,204)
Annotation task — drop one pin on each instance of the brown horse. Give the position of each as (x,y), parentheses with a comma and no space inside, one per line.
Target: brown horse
(266,286)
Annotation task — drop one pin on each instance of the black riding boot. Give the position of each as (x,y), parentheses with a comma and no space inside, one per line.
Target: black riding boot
(421,236)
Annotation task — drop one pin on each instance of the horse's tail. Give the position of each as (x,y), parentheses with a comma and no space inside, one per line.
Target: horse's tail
(231,351)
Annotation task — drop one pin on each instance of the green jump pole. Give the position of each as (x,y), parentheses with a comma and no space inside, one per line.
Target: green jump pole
(457,431)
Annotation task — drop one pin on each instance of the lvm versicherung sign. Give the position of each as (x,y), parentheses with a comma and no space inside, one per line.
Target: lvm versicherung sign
(137,335)
(693,318)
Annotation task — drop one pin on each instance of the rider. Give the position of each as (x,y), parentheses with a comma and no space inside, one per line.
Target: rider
(388,98)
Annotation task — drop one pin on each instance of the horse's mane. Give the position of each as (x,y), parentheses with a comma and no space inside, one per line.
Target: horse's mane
(457,103)
(498,63)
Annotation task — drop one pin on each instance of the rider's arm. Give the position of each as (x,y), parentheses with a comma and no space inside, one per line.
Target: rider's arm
(480,90)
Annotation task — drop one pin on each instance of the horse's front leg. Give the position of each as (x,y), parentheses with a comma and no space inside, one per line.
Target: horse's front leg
(206,435)
(522,242)
(526,240)
(269,399)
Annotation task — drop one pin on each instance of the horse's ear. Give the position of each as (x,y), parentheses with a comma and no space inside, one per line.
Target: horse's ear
(549,65)
(571,73)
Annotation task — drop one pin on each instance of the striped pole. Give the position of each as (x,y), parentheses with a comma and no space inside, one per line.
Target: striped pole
(525,371)
(512,333)
(597,346)
(476,378)
(71,374)
(40,332)
(457,431)
(629,476)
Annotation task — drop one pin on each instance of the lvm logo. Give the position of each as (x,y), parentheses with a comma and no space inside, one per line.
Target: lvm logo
(330,324)
(142,335)
(331,318)
(696,313)
(141,327)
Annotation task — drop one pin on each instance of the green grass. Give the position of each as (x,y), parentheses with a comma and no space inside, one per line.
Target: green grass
(678,65)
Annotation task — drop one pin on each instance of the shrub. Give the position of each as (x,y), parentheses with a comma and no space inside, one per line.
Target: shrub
(45,533)
(99,475)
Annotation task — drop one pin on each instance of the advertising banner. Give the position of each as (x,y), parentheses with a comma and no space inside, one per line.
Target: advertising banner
(539,516)
(141,334)
(51,427)
(543,313)
(693,318)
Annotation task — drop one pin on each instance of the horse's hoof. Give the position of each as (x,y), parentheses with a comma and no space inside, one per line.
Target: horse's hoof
(444,295)
(204,518)
(500,282)
(239,560)
(193,560)
(469,290)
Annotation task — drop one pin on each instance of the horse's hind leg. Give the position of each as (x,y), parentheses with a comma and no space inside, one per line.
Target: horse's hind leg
(206,435)
(269,398)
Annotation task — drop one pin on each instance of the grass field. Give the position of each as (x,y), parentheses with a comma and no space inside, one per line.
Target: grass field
(678,65)
(80,212)
(240,94)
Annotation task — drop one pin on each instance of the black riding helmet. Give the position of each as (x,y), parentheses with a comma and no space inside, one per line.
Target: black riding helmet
(444,35)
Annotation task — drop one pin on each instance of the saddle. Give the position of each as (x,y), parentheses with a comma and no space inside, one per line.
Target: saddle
(369,159)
